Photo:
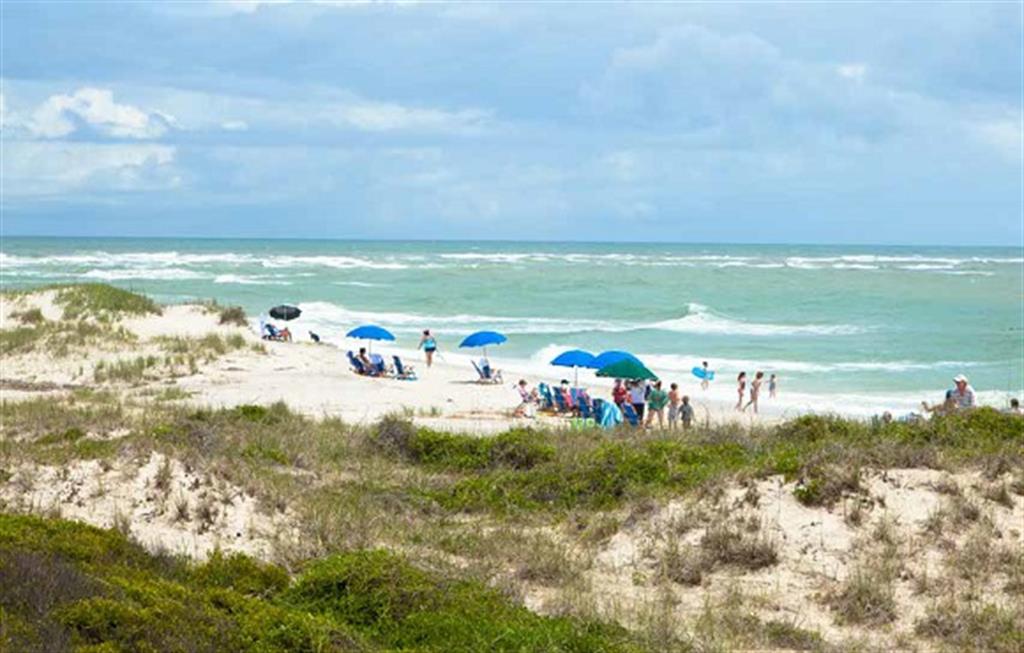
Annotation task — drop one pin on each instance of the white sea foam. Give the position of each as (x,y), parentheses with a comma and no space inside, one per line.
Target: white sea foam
(161,274)
(701,319)
(250,280)
(337,262)
(461,324)
(399,261)
(359,284)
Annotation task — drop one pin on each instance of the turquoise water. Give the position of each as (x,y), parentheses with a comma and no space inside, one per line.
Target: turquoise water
(873,321)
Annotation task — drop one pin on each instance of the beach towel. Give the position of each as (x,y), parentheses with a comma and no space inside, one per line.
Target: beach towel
(608,416)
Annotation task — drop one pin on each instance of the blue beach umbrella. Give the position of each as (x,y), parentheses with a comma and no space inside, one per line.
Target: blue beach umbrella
(370,332)
(604,359)
(483,339)
(574,358)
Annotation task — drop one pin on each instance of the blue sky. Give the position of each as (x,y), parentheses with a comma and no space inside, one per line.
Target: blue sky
(834,123)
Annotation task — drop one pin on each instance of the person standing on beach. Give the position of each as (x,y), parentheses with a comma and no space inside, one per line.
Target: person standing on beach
(772,386)
(755,390)
(429,346)
(656,400)
(686,412)
(704,379)
(619,393)
(673,405)
(741,389)
(638,397)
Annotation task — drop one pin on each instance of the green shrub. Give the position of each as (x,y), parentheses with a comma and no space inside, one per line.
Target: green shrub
(406,608)
(241,574)
(94,590)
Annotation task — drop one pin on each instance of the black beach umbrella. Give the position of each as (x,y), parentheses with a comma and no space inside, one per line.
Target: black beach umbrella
(285,312)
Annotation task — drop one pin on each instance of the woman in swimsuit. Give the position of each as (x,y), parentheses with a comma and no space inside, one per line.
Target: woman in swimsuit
(741,387)
(755,390)
(429,346)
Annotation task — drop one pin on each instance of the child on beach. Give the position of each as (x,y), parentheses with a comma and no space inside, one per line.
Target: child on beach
(686,412)
(656,400)
(772,386)
(673,405)
(741,388)
(704,379)
(527,400)
(755,390)
(429,346)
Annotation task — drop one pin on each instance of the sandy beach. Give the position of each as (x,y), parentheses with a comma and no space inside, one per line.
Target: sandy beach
(317,379)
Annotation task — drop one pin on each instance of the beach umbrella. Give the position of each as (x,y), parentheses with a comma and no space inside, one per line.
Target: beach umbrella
(483,339)
(285,312)
(370,332)
(574,358)
(627,369)
(604,359)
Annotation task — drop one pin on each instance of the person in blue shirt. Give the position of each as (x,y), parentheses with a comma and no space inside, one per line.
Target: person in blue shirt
(429,346)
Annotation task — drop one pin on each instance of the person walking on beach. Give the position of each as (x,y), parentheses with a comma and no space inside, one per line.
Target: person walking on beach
(656,400)
(755,390)
(704,379)
(741,389)
(673,405)
(772,386)
(429,346)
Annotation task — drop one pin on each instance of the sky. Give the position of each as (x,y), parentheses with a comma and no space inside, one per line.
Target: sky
(888,123)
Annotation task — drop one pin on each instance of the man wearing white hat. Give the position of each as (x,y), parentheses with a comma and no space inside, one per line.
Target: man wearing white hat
(963,393)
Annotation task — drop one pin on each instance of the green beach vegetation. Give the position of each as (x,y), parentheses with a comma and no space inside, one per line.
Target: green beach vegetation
(407,538)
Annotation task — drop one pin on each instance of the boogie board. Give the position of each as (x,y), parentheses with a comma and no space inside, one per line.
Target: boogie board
(700,374)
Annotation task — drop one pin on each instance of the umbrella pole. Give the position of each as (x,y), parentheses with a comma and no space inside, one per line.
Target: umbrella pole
(576,377)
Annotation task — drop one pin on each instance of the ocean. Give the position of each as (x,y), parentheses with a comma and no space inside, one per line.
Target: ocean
(856,329)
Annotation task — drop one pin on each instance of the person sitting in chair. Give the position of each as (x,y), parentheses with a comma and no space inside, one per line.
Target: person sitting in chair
(368,366)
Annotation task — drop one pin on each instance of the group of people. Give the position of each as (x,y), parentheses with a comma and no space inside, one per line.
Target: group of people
(649,401)
(755,389)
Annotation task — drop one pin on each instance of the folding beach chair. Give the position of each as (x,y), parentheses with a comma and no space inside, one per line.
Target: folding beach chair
(406,373)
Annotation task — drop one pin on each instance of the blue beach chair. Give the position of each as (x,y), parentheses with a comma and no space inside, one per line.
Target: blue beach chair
(584,409)
(546,398)
(380,369)
(485,373)
(403,372)
(357,365)
(630,414)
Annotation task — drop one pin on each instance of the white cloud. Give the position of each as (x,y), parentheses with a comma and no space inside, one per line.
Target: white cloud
(41,168)
(386,116)
(854,71)
(234,125)
(61,115)
(1005,135)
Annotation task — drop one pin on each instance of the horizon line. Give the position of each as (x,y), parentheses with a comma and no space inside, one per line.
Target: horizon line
(509,241)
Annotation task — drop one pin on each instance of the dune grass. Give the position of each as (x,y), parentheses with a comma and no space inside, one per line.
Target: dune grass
(65,585)
(101,301)
(492,502)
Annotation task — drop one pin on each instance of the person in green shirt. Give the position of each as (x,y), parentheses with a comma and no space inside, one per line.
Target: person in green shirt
(656,401)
